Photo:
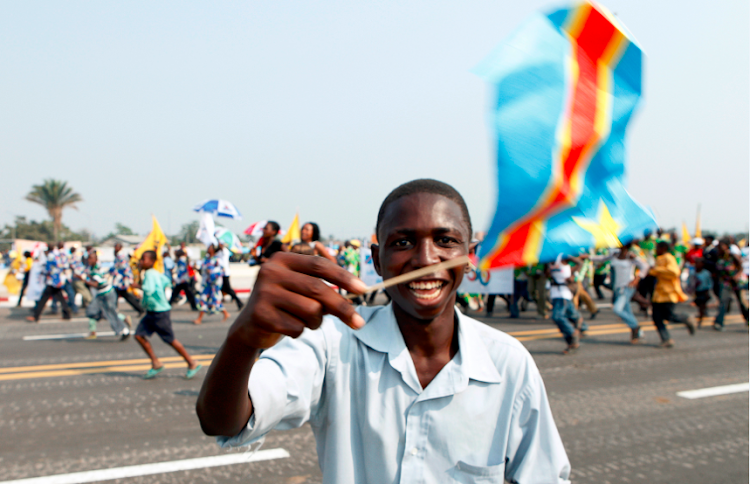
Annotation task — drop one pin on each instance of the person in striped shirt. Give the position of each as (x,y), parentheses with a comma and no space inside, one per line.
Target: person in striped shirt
(105,301)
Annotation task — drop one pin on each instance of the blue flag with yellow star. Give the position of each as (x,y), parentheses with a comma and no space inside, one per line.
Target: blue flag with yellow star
(565,87)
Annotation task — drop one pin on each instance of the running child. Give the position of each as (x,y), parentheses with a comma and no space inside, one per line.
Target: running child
(157,319)
(211,298)
(104,303)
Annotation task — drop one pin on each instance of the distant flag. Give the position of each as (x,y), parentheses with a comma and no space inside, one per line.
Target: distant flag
(155,240)
(293,232)
(206,230)
(698,222)
(256,229)
(11,281)
(565,87)
(685,235)
(229,239)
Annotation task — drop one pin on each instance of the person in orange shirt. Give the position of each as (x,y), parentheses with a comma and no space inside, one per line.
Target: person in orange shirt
(25,266)
(667,293)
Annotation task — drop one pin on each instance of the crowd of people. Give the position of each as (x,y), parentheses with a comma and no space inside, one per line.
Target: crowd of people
(65,274)
(477,370)
(654,273)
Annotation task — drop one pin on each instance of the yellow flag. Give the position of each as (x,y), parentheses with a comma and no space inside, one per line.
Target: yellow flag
(12,283)
(685,234)
(154,241)
(698,223)
(293,232)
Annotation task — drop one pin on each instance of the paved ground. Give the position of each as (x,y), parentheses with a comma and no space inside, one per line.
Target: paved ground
(71,405)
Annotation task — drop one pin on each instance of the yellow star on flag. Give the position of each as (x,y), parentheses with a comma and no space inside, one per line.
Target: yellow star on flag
(604,230)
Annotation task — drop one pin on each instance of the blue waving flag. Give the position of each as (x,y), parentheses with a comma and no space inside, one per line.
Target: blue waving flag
(566,85)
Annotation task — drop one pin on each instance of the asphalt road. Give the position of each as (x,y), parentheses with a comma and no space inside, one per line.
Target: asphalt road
(70,405)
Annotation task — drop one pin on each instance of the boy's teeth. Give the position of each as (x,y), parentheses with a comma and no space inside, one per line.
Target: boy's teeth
(425,285)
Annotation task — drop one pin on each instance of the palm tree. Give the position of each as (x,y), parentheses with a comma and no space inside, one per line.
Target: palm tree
(55,196)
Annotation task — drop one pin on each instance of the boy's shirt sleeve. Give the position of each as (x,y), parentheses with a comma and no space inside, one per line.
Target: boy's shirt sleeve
(285,386)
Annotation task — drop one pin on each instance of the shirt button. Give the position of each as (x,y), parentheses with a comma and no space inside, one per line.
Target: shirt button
(414,451)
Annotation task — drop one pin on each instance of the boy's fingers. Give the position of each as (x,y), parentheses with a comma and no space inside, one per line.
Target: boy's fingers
(331,302)
(322,268)
(307,310)
(283,322)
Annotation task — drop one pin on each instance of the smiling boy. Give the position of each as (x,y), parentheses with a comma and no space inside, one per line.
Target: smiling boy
(409,392)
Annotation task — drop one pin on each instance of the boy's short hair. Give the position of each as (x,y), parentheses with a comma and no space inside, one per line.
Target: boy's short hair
(425,185)
(663,244)
(151,254)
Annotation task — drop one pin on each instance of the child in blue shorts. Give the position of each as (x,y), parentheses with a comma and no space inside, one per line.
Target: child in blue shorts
(157,319)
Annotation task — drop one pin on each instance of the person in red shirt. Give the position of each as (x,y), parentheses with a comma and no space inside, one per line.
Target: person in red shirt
(696,252)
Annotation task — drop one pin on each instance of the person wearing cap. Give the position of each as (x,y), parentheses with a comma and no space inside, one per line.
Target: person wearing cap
(729,272)
(351,261)
(696,251)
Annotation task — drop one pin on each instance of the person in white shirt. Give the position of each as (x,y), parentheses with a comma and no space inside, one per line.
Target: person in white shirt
(409,392)
(564,313)
(624,264)
(226,287)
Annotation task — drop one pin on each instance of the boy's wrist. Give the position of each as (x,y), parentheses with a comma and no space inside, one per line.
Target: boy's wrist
(240,348)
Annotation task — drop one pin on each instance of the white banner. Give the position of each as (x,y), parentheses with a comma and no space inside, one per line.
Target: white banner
(37,279)
(366,268)
(498,281)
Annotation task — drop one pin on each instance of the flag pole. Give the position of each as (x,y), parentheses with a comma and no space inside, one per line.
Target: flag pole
(698,222)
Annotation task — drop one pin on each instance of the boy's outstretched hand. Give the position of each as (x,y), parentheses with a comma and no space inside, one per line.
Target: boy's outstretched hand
(289,296)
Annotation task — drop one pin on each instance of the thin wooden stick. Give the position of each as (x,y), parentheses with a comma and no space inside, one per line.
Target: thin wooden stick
(410,276)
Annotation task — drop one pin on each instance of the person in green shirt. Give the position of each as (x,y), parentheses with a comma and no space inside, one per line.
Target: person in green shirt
(678,251)
(601,272)
(537,284)
(157,319)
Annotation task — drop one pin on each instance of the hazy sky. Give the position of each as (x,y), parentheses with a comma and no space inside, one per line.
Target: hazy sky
(150,107)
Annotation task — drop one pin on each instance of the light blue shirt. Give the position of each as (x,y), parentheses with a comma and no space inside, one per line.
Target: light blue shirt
(153,286)
(483,418)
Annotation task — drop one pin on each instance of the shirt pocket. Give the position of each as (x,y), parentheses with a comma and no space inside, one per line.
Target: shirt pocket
(470,474)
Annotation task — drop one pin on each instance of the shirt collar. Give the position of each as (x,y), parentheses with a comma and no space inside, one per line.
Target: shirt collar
(381,333)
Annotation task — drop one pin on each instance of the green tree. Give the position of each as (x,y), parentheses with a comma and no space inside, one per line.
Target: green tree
(186,234)
(42,231)
(55,196)
(120,229)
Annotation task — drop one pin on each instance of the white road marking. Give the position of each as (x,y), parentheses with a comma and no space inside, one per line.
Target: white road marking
(157,468)
(41,337)
(714,391)
(57,321)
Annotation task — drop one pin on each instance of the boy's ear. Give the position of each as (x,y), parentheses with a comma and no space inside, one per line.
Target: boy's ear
(376,258)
